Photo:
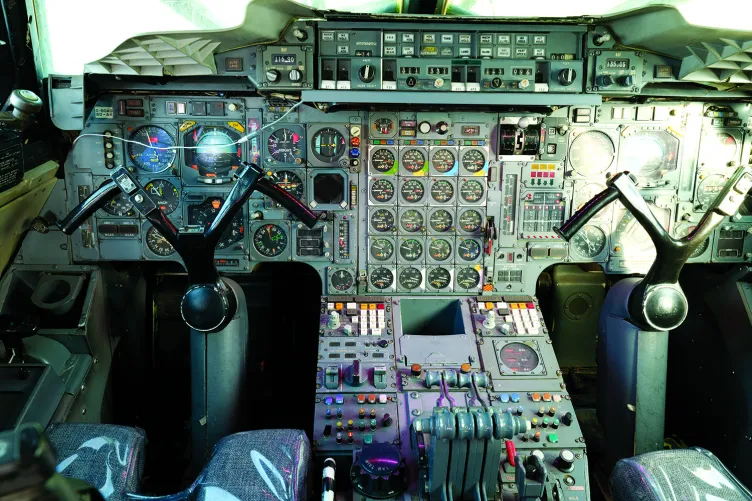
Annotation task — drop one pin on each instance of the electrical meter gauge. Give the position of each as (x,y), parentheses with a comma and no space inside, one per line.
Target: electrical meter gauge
(439,278)
(164,194)
(412,191)
(720,148)
(382,160)
(382,190)
(289,182)
(442,191)
(284,146)
(468,278)
(383,126)
(471,191)
(270,240)
(412,221)
(519,357)
(439,249)
(381,278)
(629,235)
(328,144)
(583,194)
(158,244)
(471,221)
(203,215)
(342,280)
(119,206)
(440,221)
(685,229)
(156,157)
(382,220)
(473,160)
(708,190)
(592,153)
(589,242)
(409,278)
(648,154)
(468,249)
(381,249)
(413,160)
(443,161)
(411,250)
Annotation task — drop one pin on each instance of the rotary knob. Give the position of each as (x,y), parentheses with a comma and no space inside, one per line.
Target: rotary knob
(379,472)
(295,76)
(604,81)
(272,76)
(565,461)
(424,127)
(207,307)
(366,73)
(567,76)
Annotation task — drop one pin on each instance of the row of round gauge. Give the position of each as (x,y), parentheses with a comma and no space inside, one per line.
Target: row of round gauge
(413,160)
(411,249)
(469,221)
(413,191)
(410,278)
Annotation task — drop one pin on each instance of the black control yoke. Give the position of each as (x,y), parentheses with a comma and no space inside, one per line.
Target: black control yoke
(208,304)
(657,302)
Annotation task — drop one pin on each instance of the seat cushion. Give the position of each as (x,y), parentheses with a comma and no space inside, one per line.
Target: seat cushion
(675,475)
(111,458)
(253,465)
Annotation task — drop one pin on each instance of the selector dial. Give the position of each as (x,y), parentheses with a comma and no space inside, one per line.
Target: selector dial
(295,76)
(567,76)
(272,76)
(366,73)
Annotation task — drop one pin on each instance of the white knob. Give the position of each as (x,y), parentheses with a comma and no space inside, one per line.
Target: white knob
(490,321)
(333,322)
(348,330)
(524,84)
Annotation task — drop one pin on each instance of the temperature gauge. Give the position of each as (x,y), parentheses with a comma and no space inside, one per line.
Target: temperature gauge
(381,278)
(381,249)
(409,278)
(468,278)
(439,278)
(411,250)
(439,249)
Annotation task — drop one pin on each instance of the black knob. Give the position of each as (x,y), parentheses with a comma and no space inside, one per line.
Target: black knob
(366,73)
(272,76)
(386,421)
(626,81)
(207,307)
(604,81)
(379,472)
(567,76)
(567,419)
(565,461)
(496,82)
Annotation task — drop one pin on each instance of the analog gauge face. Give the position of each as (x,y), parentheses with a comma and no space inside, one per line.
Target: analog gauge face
(381,249)
(155,157)
(270,240)
(583,194)
(284,146)
(591,153)
(648,154)
(382,220)
(441,221)
(382,278)
(216,152)
(328,144)
(119,206)
(413,160)
(410,278)
(203,215)
(471,221)
(468,249)
(473,160)
(721,148)
(411,221)
(383,126)
(158,244)
(440,249)
(709,188)
(342,280)
(442,191)
(589,242)
(443,161)
(519,357)
(684,230)
(412,191)
(382,160)
(164,194)
(439,278)
(288,181)
(468,278)
(472,190)
(382,190)
(411,249)
(631,237)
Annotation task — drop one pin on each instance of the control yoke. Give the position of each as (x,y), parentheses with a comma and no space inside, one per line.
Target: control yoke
(208,304)
(657,302)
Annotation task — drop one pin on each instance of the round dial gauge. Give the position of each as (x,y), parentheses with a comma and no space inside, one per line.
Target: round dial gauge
(270,240)
(284,146)
(203,215)
(410,278)
(216,152)
(468,278)
(442,191)
(411,249)
(382,160)
(519,357)
(412,191)
(383,126)
(328,144)
(411,221)
(468,249)
(164,194)
(471,190)
(473,160)
(709,188)
(382,190)
(119,206)
(684,230)
(440,249)
(589,242)
(471,221)
(632,237)
(591,153)
(342,280)
(586,193)
(441,220)
(382,220)
(288,181)
(439,278)
(721,148)
(443,161)
(647,154)
(413,160)
(154,158)
(158,244)
(381,278)
(381,249)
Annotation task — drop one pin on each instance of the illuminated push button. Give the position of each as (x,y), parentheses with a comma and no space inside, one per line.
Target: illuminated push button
(555,424)
(361,413)
(541,411)
(504,398)
(328,414)
(337,306)
(362,426)
(545,422)
(415,370)
(537,436)
(373,424)
(382,399)
(514,397)
(367,439)
(536,397)
(372,306)
(339,412)
(328,401)
(552,411)
(557,398)
(371,398)
(350,437)
(372,414)
(553,438)
(339,425)
(520,410)
(361,399)
(339,438)
(546,397)
(534,422)
(465,368)
(339,399)
(350,424)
